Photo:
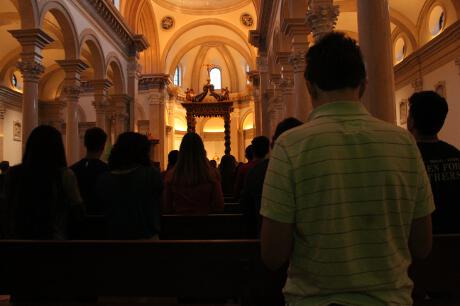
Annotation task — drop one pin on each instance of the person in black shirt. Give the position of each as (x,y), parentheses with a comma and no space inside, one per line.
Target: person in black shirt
(427,113)
(90,168)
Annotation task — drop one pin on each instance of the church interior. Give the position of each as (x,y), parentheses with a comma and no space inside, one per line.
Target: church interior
(127,65)
(228,70)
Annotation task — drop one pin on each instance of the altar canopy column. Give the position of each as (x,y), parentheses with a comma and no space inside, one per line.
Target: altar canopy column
(32,42)
(228,143)
(262,67)
(100,103)
(70,94)
(171,108)
(157,123)
(2,122)
(379,97)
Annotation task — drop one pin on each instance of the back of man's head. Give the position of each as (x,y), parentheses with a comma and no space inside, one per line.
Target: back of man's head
(427,112)
(335,62)
(260,146)
(95,139)
(249,153)
(283,126)
(172,158)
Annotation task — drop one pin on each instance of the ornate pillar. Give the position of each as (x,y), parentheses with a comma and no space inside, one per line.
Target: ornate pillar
(298,32)
(170,108)
(379,97)
(134,73)
(191,123)
(51,113)
(121,105)
(227,133)
(32,42)
(2,126)
(262,67)
(234,127)
(100,103)
(70,94)
(321,17)
(286,84)
(254,78)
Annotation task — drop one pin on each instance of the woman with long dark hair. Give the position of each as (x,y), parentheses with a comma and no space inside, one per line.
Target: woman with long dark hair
(227,169)
(192,186)
(41,192)
(130,193)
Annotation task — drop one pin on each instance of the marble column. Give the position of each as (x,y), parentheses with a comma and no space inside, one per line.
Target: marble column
(134,73)
(32,42)
(100,103)
(51,113)
(379,97)
(121,104)
(171,108)
(157,126)
(254,78)
(262,67)
(2,127)
(322,17)
(70,94)
(303,105)
(234,127)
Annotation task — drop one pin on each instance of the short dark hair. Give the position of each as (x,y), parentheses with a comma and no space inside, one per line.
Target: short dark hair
(249,153)
(260,146)
(95,139)
(285,125)
(335,62)
(131,149)
(428,111)
(172,158)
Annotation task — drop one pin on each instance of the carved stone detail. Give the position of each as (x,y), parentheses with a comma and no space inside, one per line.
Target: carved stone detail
(71,92)
(31,71)
(417,84)
(321,18)
(297,60)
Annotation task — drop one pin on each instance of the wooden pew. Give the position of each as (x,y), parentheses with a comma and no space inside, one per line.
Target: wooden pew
(213,226)
(187,269)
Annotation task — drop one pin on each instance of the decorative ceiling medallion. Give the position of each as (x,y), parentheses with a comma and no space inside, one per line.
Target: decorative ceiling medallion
(247,20)
(167,23)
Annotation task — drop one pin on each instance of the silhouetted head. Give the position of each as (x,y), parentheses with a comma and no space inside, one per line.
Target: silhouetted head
(4,166)
(44,149)
(131,149)
(227,164)
(213,163)
(248,153)
(172,158)
(283,126)
(427,113)
(260,146)
(192,167)
(334,63)
(95,139)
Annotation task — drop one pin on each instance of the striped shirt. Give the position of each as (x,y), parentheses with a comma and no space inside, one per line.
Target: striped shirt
(352,185)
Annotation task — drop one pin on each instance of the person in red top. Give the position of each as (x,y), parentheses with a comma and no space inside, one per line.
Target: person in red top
(241,171)
(192,187)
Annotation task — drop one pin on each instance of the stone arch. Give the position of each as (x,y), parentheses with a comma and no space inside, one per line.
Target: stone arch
(89,37)
(214,40)
(405,26)
(422,21)
(141,17)
(244,117)
(202,22)
(28,12)
(63,17)
(118,79)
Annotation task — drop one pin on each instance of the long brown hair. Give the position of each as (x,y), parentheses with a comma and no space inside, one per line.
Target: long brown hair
(192,167)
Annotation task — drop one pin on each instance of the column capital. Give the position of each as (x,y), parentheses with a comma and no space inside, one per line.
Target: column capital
(101,85)
(254,78)
(31,40)
(71,92)
(134,69)
(72,66)
(322,17)
(297,60)
(31,70)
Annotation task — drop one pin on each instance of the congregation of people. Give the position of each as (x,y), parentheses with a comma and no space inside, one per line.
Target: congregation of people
(313,167)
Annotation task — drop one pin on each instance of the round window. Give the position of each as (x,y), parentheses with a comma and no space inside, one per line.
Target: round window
(437,20)
(400,49)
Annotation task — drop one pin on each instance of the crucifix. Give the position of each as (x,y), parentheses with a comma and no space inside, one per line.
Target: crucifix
(209,67)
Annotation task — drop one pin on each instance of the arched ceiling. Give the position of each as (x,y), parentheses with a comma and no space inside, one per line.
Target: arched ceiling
(200,7)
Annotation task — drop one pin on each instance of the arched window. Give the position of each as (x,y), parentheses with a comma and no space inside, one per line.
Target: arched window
(216,78)
(178,76)
(437,20)
(116,3)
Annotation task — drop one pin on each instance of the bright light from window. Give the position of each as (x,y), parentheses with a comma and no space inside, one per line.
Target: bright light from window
(116,3)
(400,49)
(216,78)
(437,20)
(177,76)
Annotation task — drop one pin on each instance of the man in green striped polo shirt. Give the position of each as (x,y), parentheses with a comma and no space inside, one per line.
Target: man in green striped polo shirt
(346,198)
